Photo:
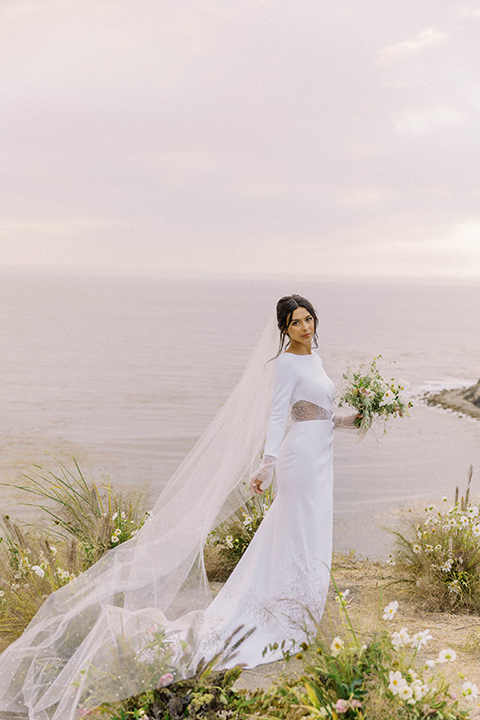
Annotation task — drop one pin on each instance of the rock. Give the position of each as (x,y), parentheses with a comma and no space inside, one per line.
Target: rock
(473,394)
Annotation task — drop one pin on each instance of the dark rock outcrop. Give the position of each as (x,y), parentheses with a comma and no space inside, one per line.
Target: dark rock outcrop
(462,400)
(473,394)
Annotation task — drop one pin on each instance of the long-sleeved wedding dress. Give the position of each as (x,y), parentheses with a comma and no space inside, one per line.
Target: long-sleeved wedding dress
(280,585)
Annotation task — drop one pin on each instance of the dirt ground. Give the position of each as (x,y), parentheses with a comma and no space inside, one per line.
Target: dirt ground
(371,589)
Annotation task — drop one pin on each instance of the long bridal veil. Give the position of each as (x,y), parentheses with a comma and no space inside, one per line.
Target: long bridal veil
(133,616)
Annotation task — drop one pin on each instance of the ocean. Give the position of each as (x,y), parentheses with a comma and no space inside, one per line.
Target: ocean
(124,374)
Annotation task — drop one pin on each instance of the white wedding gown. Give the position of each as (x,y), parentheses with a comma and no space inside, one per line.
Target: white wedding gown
(280,585)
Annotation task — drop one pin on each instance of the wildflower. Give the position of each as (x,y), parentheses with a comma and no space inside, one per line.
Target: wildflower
(38,571)
(446,655)
(420,639)
(396,681)
(366,392)
(114,516)
(476,530)
(229,541)
(447,566)
(342,706)
(419,688)
(123,516)
(451,522)
(472,511)
(429,548)
(470,690)
(437,548)
(117,531)
(114,538)
(388,398)
(247,521)
(148,513)
(390,610)
(341,597)
(429,664)
(337,646)
(444,498)
(165,680)
(53,550)
(463,520)
(416,549)
(134,532)
(405,692)
(401,639)
(454,587)
(391,561)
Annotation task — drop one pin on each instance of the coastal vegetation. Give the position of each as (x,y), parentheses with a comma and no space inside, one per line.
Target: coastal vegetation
(77,521)
(226,544)
(344,672)
(374,656)
(438,554)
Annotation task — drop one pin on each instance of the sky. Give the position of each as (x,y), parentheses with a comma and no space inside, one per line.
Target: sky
(331,138)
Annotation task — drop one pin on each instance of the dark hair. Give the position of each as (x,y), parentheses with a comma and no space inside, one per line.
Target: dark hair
(285,309)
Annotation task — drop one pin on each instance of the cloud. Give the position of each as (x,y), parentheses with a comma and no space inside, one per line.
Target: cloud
(217,136)
(426,38)
(417,120)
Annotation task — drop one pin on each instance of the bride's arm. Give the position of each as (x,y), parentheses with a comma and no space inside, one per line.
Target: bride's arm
(346,422)
(284,380)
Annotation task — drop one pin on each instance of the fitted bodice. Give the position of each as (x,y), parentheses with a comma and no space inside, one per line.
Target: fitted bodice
(297,378)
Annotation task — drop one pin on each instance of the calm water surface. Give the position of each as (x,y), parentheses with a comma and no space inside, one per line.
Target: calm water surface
(125,375)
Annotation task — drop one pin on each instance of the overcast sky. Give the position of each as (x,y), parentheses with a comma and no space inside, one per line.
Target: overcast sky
(325,137)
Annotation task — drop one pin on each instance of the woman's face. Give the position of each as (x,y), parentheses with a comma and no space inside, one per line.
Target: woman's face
(302,327)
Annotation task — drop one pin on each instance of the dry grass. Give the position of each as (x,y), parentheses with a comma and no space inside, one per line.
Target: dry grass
(76,522)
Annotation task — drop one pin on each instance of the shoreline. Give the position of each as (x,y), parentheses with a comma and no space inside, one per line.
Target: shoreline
(454,400)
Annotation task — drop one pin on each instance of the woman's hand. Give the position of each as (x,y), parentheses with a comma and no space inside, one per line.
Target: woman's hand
(264,474)
(256,485)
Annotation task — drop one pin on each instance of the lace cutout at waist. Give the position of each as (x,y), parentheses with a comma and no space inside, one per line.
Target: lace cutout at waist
(304,410)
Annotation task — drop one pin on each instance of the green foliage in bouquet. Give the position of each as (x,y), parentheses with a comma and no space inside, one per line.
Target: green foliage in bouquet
(373,397)
(438,554)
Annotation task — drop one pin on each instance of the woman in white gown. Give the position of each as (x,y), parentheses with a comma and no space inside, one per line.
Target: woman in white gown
(280,585)
(145,608)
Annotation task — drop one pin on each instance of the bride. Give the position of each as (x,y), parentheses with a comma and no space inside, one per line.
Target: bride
(145,610)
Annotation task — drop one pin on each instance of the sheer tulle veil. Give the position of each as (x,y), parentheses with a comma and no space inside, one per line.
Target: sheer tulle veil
(134,615)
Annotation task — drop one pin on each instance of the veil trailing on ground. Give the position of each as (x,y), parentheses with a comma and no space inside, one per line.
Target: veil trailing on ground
(134,615)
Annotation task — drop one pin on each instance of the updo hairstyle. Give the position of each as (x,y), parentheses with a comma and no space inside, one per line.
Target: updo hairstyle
(285,309)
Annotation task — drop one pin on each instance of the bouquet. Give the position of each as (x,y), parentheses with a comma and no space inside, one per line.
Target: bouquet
(373,397)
